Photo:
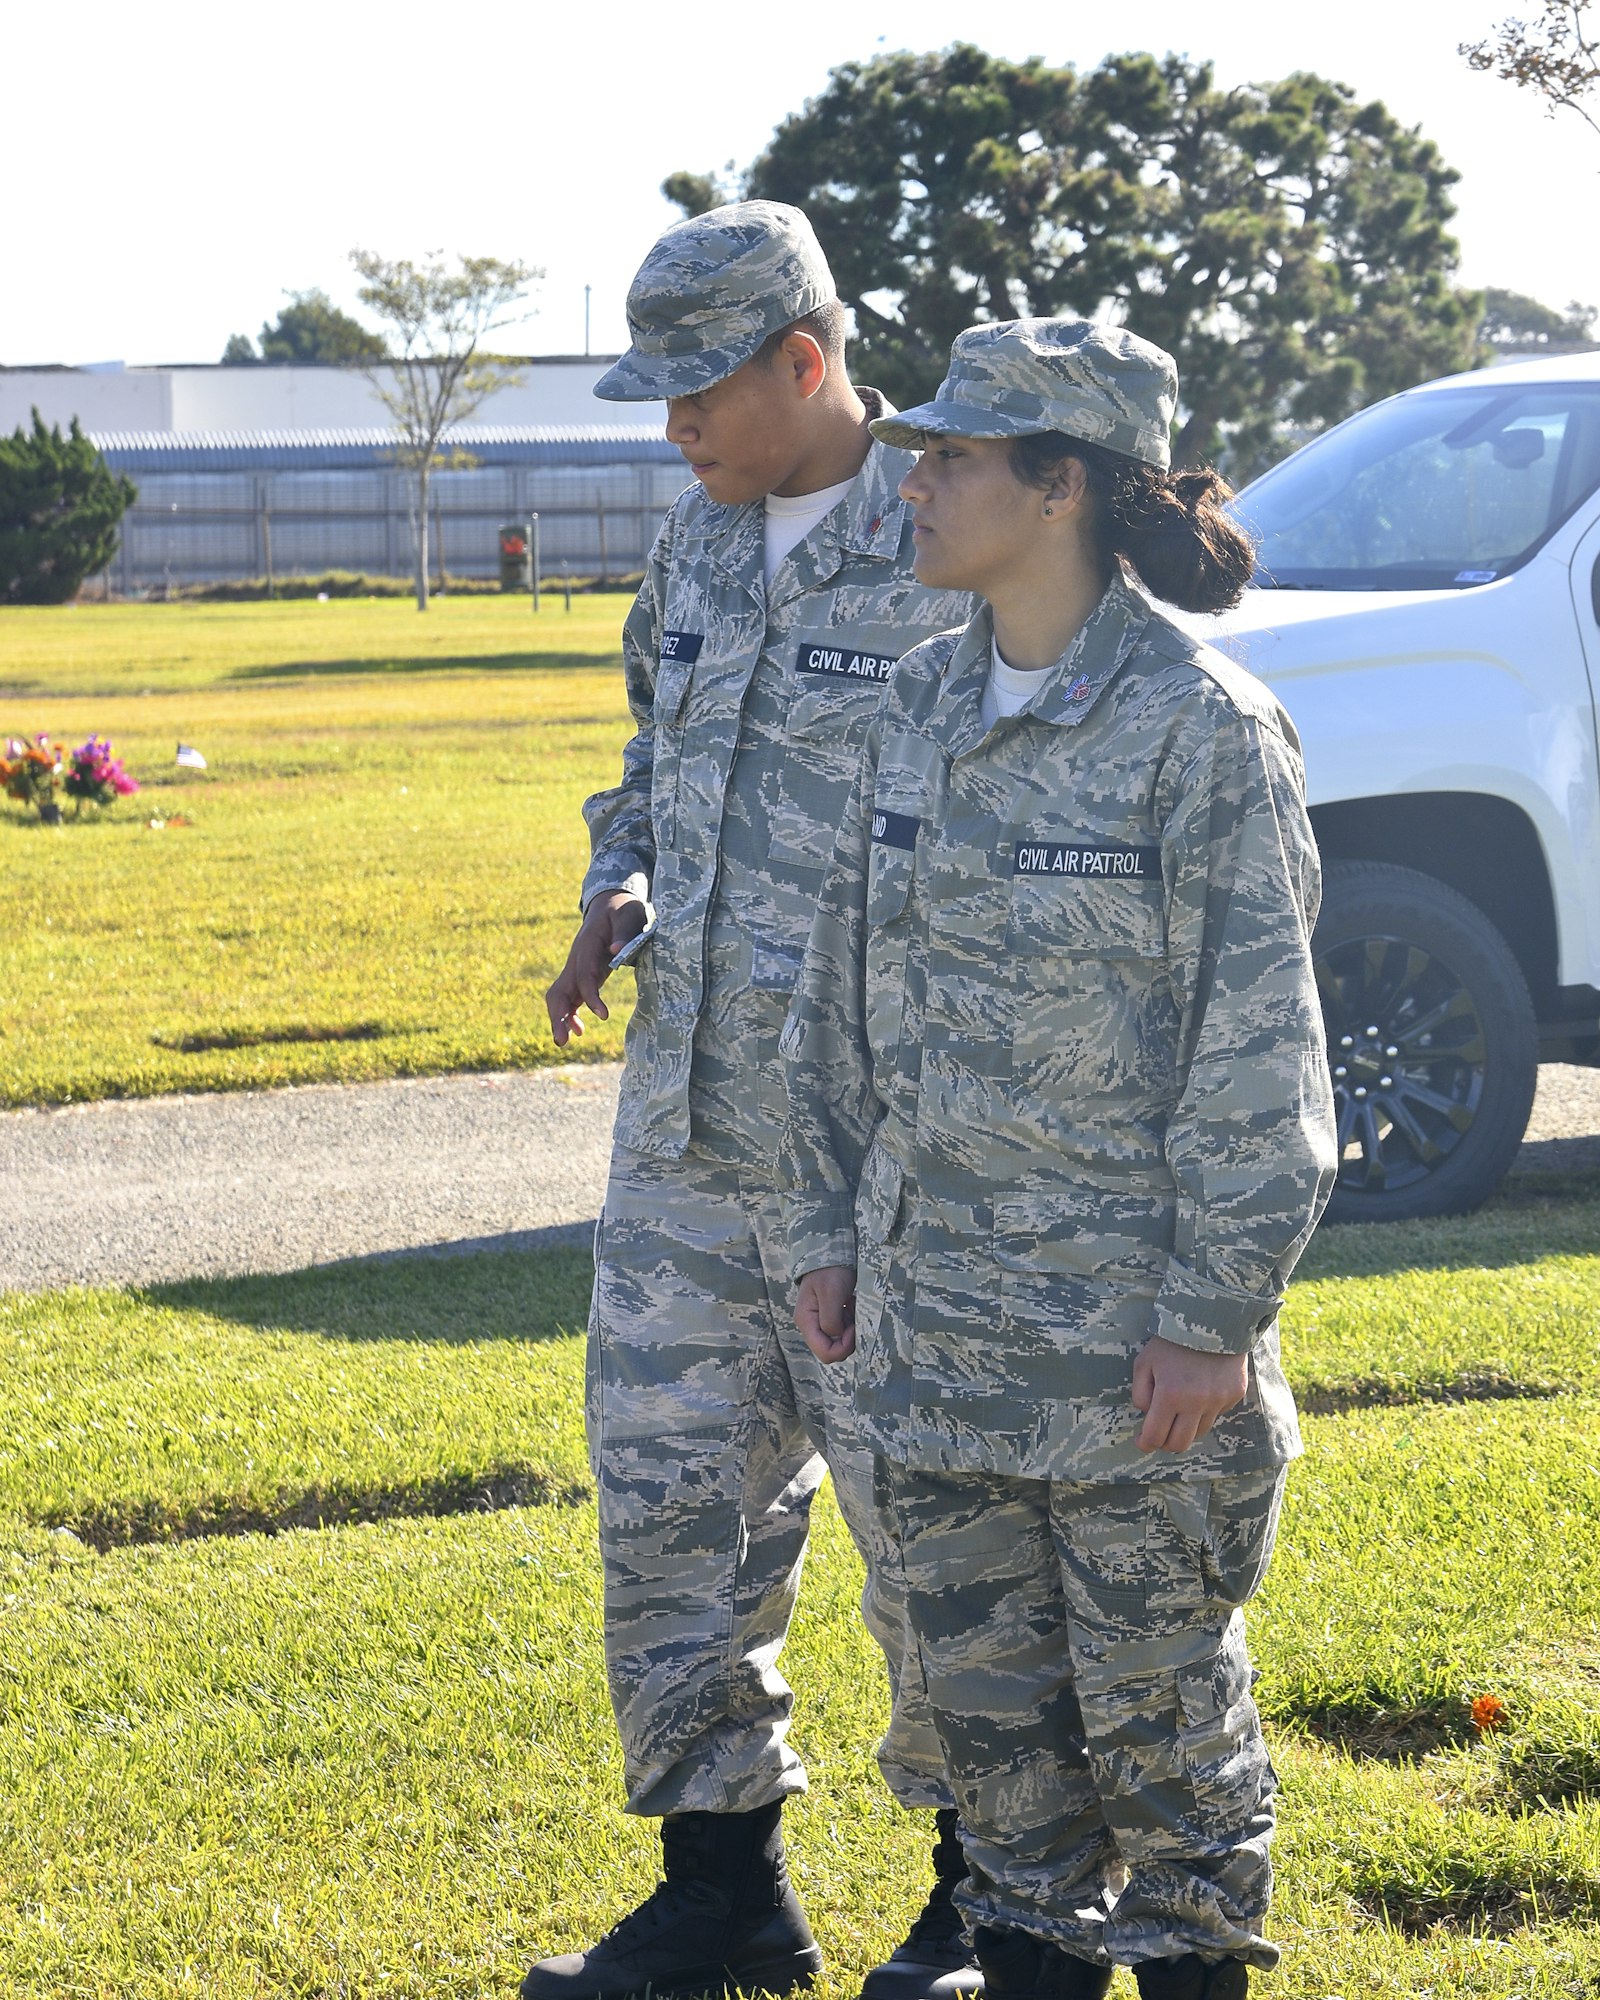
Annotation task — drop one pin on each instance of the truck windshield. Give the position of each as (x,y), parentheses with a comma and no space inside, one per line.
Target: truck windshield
(1439,491)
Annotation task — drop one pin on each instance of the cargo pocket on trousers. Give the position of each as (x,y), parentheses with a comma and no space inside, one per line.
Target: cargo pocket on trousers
(1219,1736)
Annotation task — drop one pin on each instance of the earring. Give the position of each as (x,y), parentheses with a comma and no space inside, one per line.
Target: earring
(1049,511)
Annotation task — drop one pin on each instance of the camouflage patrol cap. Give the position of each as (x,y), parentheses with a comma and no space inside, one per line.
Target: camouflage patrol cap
(710,292)
(1014,377)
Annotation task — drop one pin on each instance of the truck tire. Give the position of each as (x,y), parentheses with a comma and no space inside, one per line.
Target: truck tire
(1431,1041)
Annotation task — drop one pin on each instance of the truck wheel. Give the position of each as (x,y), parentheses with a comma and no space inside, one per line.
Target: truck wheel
(1431,1040)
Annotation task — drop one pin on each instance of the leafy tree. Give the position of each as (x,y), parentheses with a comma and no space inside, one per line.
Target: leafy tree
(311,332)
(240,352)
(1558,56)
(1515,324)
(59,510)
(1286,242)
(695,193)
(436,376)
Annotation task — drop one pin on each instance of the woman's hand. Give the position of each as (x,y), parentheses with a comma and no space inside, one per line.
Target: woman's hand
(1182,1392)
(825,1311)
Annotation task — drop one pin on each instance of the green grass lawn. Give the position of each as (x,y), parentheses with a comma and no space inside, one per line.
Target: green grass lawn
(376,876)
(301,1691)
(375,1758)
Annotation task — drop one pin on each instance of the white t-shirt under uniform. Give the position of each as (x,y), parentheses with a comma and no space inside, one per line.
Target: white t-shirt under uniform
(790,520)
(1008,689)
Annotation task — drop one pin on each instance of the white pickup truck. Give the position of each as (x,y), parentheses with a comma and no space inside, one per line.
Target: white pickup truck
(1428,609)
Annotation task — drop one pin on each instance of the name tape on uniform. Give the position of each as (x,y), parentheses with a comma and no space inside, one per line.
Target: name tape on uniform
(682,646)
(895,829)
(846,663)
(1050,857)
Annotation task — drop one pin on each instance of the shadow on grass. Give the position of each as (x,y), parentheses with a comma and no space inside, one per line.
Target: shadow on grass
(529,1286)
(1374,1733)
(432,663)
(1478,1905)
(1373,1392)
(1536,1214)
(487,1492)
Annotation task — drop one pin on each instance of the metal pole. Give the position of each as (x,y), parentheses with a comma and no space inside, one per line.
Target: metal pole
(600,517)
(266,536)
(533,551)
(566,581)
(438,544)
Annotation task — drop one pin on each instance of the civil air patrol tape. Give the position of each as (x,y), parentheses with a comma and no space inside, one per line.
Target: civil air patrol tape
(1110,862)
(846,663)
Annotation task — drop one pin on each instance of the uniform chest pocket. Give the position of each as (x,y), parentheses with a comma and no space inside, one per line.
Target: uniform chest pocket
(674,677)
(1093,1013)
(838,682)
(1056,915)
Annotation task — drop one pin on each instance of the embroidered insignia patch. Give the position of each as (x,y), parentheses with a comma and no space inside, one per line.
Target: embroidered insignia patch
(1079,690)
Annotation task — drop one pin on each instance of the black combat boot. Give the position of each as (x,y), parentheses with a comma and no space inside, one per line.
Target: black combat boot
(725,1916)
(935,1962)
(1018,1966)
(1191,1978)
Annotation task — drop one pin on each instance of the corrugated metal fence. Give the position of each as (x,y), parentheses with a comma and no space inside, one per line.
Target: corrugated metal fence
(599,507)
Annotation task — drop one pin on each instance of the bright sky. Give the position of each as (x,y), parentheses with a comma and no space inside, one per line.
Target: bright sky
(173,168)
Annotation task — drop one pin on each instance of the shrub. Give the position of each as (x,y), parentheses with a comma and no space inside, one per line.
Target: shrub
(59,510)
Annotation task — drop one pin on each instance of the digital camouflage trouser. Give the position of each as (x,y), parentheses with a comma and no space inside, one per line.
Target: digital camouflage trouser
(1083,1652)
(706,1413)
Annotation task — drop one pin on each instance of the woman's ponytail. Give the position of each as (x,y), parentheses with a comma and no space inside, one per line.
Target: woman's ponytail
(1168,526)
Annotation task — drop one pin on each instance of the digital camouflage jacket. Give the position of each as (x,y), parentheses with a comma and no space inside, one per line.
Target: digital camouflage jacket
(750,707)
(1056,1060)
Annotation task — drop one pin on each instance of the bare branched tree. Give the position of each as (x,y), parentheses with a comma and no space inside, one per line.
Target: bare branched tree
(436,376)
(1558,55)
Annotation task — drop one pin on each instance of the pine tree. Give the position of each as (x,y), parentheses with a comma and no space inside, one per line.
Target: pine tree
(60,507)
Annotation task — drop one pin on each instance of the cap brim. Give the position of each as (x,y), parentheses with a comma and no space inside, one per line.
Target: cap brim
(652,378)
(908,428)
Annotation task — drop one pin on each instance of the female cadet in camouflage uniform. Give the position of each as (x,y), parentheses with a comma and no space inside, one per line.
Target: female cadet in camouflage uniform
(1062,1125)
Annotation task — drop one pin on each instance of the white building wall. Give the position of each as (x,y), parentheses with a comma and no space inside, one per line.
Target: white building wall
(127,400)
(558,390)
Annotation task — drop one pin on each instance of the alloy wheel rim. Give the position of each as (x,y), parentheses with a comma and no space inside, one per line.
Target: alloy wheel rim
(1407,1052)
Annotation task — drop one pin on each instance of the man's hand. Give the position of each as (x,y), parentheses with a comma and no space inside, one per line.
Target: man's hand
(825,1311)
(610,921)
(1182,1392)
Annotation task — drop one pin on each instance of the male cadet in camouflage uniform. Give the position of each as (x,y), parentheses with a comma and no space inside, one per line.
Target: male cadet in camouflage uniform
(1060,1097)
(751,687)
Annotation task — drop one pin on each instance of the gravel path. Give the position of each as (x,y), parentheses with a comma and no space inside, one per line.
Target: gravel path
(173,1187)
